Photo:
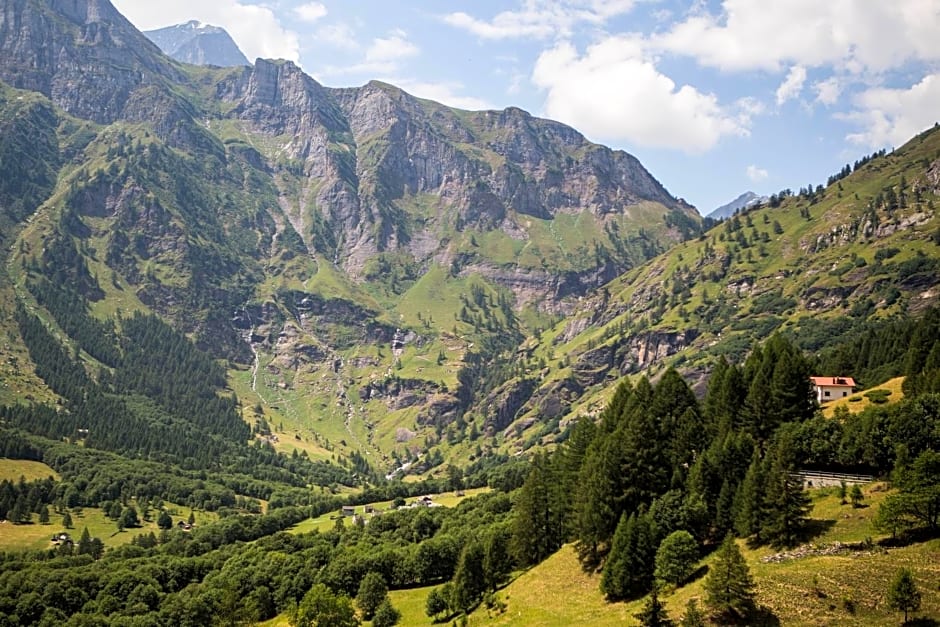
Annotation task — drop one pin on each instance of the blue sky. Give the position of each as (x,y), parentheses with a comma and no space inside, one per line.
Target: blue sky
(714,97)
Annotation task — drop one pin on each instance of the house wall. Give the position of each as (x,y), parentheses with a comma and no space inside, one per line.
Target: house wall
(826,393)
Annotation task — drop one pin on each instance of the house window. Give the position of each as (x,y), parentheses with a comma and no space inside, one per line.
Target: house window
(826,393)
(844,394)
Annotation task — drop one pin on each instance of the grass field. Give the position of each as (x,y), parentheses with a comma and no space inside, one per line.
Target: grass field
(37,536)
(858,401)
(13,469)
(326,521)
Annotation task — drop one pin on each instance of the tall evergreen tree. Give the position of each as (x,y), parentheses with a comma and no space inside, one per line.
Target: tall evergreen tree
(644,456)
(538,527)
(569,461)
(749,500)
(733,395)
(84,543)
(497,561)
(791,387)
(628,572)
(729,588)
(598,488)
(786,505)
(470,577)
(713,407)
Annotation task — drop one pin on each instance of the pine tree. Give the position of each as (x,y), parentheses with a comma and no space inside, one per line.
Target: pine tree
(497,561)
(538,527)
(570,459)
(786,504)
(644,454)
(654,612)
(84,543)
(598,487)
(724,509)
(729,587)
(67,520)
(20,512)
(470,577)
(628,572)
(749,500)
(903,594)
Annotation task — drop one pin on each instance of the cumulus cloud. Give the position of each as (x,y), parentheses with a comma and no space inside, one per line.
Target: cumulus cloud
(792,85)
(256,29)
(854,35)
(338,35)
(540,19)
(828,91)
(756,174)
(311,11)
(448,93)
(383,56)
(392,48)
(612,93)
(889,117)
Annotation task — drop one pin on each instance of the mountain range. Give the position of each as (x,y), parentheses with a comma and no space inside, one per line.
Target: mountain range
(386,275)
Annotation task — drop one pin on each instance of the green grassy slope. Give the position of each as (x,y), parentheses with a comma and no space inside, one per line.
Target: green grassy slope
(845,589)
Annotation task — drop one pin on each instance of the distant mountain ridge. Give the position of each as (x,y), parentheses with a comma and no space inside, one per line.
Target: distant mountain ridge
(747,199)
(198,44)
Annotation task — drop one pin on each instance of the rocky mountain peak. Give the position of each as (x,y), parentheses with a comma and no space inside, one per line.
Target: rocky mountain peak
(88,11)
(198,44)
(89,63)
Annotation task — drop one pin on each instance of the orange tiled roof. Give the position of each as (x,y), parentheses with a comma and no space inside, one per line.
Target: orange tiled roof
(834,381)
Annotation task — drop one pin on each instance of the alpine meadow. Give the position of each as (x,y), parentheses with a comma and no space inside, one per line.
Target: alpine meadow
(278,353)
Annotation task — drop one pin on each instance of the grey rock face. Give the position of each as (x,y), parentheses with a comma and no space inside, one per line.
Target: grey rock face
(198,44)
(82,54)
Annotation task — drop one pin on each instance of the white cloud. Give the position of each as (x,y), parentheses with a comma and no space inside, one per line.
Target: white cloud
(890,117)
(792,85)
(612,93)
(392,48)
(756,174)
(447,93)
(338,36)
(256,29)
(383,56)
(828,91)
(540,19)
(854,35)
(311,11)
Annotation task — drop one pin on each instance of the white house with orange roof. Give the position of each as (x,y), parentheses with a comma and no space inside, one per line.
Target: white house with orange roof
(832,388)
